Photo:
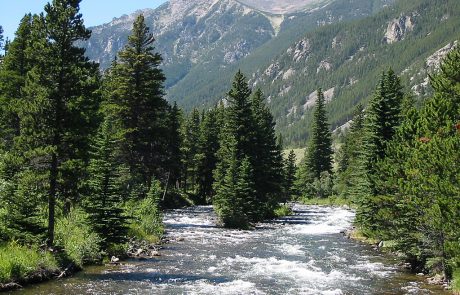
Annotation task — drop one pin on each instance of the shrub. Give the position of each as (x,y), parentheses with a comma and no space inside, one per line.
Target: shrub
(146,216)
(75,236)
(283,210)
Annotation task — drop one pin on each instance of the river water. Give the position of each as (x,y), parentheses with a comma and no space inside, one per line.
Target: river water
(301,254)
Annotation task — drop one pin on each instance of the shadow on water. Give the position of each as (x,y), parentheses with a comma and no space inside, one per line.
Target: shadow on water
(151,277)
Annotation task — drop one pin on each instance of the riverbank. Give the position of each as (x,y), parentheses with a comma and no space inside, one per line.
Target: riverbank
(20,265)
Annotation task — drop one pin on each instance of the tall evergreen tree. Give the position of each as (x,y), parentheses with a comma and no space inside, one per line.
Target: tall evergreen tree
(320,149)
(318,156)
(383,117)
(59,109)
(290,169)
(137,96)
(175,142)
(266,158)
(13,72)
(209,142)
(191,151)
(107,180)
(248,136)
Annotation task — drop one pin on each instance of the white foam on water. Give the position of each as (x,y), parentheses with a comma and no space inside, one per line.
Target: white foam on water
(374,268)
(288,249)
(295,272)
(326,221)
(237,287)
(313,291)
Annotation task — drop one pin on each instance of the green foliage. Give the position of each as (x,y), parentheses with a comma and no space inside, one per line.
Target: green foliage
(190,151)
(145,215)
(290,170)
(75,236)
(134,90)
(249,173)
(283,210)
(315,174)
(209,141)
(107,187)
(17,262)
(383,117)
(412,196)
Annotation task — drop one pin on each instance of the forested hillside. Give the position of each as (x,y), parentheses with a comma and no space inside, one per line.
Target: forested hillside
(341,46)
(345,58)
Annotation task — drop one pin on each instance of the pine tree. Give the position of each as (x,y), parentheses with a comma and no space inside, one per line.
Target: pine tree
(13,72)
(190,151)
(107,180)
(383,117)
(59,109)
(290,169)
(209,142)
(1,40)
(318,157)
(137,98)
(240,120)
(234,189)
(237,143)
(320,149)
(266,158)
(248,135)
(175,142)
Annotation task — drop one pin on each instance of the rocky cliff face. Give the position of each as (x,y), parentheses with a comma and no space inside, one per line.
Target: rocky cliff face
(284,7)
(398,28)
(188,32)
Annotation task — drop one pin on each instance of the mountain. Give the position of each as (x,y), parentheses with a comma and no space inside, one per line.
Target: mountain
(289,49)
(283,7)
(197,38)
(346,60)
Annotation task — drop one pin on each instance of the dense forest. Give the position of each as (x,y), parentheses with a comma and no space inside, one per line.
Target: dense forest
(398,164)
(89,159)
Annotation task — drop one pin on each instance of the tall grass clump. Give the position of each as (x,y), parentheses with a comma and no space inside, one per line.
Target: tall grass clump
(20,263)
(146,217)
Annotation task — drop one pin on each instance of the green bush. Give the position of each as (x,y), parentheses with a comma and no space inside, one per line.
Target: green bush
(283,210)
(146,216)
(75,236)
(17,262)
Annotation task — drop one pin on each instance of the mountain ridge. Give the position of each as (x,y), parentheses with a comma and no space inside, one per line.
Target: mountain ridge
(289,56)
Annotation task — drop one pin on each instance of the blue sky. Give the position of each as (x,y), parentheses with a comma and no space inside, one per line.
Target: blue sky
(95,12)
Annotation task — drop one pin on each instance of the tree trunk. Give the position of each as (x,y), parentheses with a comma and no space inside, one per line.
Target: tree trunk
(52,199)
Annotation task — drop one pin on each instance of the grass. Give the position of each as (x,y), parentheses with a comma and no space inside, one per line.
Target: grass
(456,282)
(76,237)
(20,263)
(283,210)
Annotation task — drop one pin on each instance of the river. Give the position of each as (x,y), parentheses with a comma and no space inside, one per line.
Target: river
(300,254)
